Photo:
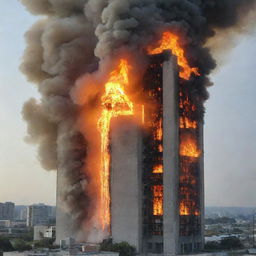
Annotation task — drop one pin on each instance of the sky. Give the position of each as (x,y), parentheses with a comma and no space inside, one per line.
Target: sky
(230,137)
(22,180)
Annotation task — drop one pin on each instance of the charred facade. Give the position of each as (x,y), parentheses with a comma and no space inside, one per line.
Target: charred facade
(170,169)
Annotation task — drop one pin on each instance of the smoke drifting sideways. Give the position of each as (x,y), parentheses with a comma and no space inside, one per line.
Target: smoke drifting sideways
(74,43)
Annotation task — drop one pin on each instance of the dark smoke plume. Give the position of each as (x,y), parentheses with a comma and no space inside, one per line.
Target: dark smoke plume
(75,38)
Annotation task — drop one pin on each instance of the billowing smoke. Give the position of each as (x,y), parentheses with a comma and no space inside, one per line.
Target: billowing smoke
(75,41)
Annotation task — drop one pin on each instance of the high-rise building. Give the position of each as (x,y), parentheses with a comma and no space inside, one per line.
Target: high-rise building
(37,214)
(23,214)
(157,200)
(7,211)
(156,169)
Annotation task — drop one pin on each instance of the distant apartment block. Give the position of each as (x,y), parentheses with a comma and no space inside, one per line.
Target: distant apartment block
(37,214)
(22,214)
(7,211)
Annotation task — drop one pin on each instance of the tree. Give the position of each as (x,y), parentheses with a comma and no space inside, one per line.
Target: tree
(220,220)
(124,248)
(45,243)
(231,242)
(5,245)
(21,245)
(28,236)
(212,245)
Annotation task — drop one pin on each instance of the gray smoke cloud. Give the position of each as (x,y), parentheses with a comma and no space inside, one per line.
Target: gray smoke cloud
(75,37)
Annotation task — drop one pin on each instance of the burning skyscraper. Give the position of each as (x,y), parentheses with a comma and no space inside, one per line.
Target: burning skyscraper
(157,168)
(151,162)
(123,87)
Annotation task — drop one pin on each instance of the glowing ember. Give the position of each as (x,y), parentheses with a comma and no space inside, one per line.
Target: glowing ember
(115,102)
(143,114)
(158,200)
(158,169)
(188,146)
(187,123)
(186,105)
(159,131)
(185,207)
(170,41)
(197,212)
(187,179)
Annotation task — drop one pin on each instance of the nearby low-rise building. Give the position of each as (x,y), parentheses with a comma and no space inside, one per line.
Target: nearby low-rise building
(41,232)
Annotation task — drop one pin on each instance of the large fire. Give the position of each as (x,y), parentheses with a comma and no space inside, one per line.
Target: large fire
(158,168)
(188,149)
(186,206)
(185,122)
(188,146)
(115,102)
(158,200)
(170,41)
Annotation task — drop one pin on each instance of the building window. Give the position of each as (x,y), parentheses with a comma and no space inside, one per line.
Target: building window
(159,247)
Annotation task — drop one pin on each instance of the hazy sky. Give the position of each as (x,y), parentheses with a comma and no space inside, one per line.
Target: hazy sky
(230,133)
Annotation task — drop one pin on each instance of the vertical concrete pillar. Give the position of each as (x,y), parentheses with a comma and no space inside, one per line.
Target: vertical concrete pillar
(201,166)
(126,217)
(63,219)
(64,222)
(170,157)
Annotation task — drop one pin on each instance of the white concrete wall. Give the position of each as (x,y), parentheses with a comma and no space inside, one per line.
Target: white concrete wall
(126,181)
(39,232)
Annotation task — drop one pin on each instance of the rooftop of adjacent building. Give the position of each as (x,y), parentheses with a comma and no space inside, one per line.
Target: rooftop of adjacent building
(58,252)
(70,253)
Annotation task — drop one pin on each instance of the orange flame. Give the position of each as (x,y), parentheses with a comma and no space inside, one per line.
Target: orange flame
(115,102)
(158,168)
(143,114)
(158,200)
(185,207)
(159,131)
(170,41)
(186,104)
(188,146)
(187,123)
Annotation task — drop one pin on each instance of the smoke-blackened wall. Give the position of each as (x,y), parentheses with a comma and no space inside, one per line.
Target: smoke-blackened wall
(74,40)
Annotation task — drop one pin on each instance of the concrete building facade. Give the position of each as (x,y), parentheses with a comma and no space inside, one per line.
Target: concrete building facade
(7,211)
(156,183)
(126,173)
(37,214)
(157,210)
(41,232)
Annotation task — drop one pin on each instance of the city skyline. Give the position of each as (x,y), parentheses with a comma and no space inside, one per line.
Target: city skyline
(23,181)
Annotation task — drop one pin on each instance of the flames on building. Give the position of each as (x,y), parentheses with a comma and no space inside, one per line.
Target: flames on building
(115,102)
(96,60)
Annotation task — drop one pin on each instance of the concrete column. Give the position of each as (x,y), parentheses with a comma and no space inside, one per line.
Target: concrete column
(126,217)
(170,157)
(63,219)
(64,222)
(201,166)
